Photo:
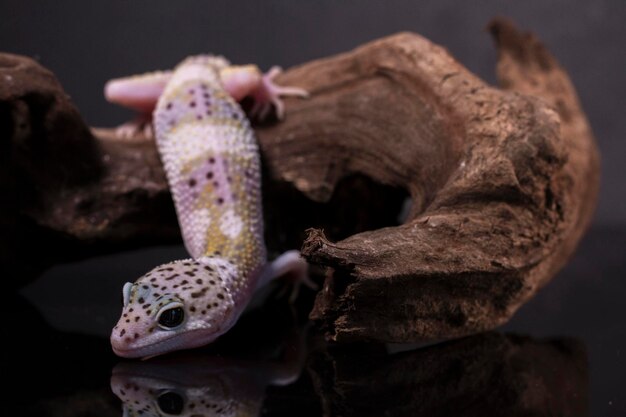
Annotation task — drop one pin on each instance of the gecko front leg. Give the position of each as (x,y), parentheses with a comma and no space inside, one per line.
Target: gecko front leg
(291,267)
(247,80)
(141,93)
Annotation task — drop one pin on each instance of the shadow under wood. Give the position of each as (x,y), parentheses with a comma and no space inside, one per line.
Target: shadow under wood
(357,204)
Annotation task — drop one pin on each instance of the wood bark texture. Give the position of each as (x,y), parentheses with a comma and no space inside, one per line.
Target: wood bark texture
(502,183)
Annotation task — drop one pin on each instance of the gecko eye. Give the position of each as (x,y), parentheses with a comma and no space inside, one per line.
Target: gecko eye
(171,316)
(171,403)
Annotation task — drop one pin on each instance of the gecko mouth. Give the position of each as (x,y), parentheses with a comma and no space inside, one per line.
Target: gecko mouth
(190,339)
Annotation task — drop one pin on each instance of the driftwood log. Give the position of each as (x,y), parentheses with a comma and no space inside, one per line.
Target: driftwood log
(502,183)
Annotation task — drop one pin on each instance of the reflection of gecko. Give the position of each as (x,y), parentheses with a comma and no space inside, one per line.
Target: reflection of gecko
(211,159)
(201,385)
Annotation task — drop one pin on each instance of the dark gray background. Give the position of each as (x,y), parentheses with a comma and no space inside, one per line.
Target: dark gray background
(87,42)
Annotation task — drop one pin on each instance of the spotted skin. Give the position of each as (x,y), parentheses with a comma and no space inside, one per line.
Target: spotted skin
(211,159)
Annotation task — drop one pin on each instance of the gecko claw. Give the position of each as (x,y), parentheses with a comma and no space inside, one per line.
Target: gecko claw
(270,94)
(293,285)
(295,290)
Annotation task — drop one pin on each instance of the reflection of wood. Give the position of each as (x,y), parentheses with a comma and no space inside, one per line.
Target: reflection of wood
(484,375)
(500,194)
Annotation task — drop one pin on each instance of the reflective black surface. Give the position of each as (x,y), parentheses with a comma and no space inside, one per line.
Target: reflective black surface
(562,354)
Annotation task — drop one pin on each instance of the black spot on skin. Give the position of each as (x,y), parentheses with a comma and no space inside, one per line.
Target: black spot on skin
(176,286)
(169,106)
(199,293)
(183,282)
(203,312)
(217,253)
(169,269)
(136,335)
(208,306)
(189,273)
(209,175)
(212,282)
(211,160)
(199,281)
(192,182)
(220,296)
(192,309)
(148,312)
(152,279)
(145,306)
(151,329)
(163,288)
(220,200)
(156,294)
(124,315)
(136,319)
(123,332)
(199,117)
(215,304)
(192,406)
(127,320)
(192,104)
(145,287)
(141,300)
(122,392)
(130,310)
(155,285)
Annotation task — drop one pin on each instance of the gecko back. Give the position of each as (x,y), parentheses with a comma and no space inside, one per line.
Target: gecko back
(211,159)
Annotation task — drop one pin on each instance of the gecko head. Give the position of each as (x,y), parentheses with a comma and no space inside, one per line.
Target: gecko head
(179,305)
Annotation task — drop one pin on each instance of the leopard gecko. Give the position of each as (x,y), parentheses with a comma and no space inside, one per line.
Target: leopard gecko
(212,163)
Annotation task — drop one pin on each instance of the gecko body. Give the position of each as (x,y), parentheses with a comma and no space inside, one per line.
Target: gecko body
(212,163)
